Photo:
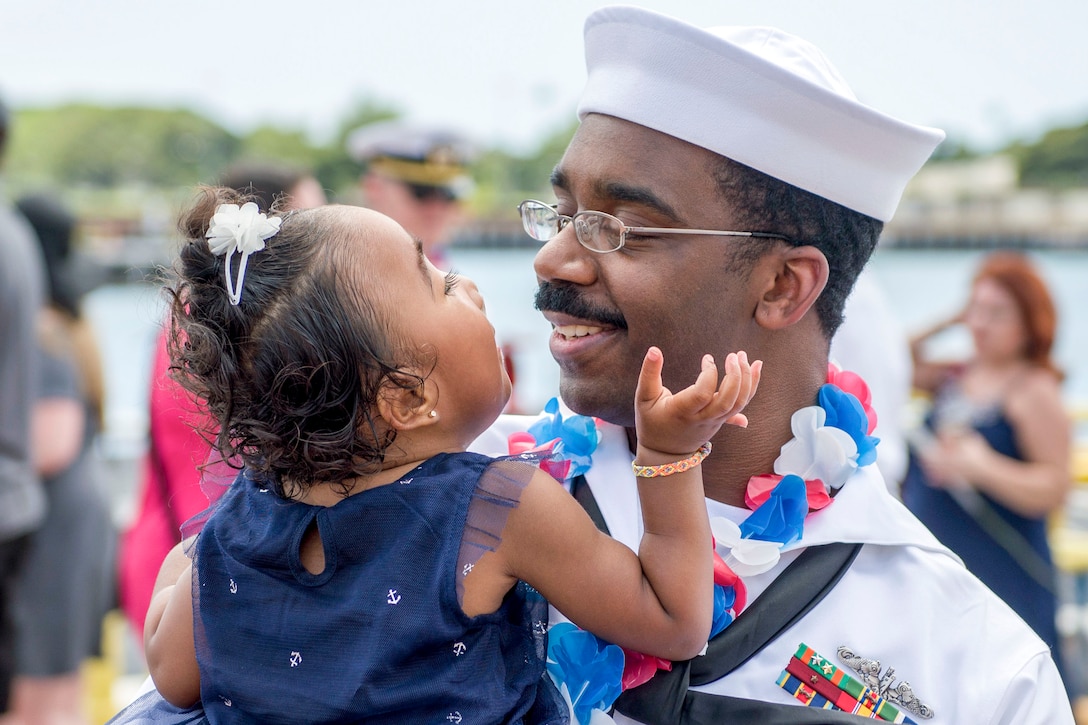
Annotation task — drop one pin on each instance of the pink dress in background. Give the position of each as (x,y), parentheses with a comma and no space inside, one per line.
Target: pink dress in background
(170,493)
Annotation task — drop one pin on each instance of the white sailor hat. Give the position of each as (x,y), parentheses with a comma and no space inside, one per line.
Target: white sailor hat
(757,95)
(416,155)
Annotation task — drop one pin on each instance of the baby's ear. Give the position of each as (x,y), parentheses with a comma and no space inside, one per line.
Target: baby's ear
(407,408)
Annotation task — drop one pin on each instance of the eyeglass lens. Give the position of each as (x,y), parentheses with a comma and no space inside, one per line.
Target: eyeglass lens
(594,230)
(540,222)
(598,231)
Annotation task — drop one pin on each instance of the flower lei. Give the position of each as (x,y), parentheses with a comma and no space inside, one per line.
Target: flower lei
(831,440)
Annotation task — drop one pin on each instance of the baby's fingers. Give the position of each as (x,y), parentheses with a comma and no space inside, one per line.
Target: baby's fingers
(700,398)
(740,420)
(707,383)
(748,379)
(649,386)
(757,373)
(738,387)
(729,391)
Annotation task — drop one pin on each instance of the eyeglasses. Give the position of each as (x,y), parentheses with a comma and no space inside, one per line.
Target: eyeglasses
(600,232)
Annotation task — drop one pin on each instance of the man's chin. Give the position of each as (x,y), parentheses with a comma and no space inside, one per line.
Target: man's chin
(597,400)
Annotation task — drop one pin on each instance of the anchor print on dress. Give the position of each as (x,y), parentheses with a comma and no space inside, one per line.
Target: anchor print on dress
(459,649)
(392,597)
(233,587)
(296,659)
(467,568)
(454,717)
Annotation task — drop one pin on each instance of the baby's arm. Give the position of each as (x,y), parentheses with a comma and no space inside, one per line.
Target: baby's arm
(659,602)
(168,632)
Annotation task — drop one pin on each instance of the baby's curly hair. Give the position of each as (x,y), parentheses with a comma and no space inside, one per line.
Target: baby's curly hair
(290,375)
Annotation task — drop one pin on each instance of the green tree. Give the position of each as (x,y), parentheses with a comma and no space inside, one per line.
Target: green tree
(99,146)
(953,149)
(1059,160)
(505,179)
(268,143)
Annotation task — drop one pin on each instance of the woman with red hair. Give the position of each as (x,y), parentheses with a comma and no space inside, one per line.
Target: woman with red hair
(994,461)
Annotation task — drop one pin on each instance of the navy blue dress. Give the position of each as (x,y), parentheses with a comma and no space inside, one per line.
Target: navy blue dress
(378,636)
(981,553)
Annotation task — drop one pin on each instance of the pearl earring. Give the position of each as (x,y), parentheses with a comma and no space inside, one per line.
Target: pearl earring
(432,414)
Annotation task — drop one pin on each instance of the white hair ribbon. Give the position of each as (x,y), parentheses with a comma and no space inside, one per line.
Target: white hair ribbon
(239,229)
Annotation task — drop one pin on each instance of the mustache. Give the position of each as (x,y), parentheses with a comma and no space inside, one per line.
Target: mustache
(567,300)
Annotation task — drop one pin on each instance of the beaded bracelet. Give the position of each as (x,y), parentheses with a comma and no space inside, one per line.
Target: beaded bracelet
(667,469)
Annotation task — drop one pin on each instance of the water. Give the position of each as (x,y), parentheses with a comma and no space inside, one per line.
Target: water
(126,319)
(922,287)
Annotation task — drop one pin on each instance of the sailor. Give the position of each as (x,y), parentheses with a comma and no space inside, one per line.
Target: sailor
(417,175)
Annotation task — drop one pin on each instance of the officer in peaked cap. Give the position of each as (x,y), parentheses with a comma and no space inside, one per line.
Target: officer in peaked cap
(416,175)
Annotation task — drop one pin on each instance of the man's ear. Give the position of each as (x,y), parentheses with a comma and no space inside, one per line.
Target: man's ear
(797,277)
(407,408)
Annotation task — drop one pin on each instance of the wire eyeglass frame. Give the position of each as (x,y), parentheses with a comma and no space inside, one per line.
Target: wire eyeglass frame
(543,223)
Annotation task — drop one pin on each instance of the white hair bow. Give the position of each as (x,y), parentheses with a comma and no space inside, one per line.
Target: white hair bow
(239,229)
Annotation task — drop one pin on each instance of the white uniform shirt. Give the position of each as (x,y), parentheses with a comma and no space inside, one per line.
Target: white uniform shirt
(906,601)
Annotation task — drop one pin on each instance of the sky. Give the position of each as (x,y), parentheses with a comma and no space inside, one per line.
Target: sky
(508,72)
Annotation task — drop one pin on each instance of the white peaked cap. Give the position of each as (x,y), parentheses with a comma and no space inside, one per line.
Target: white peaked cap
(757,95)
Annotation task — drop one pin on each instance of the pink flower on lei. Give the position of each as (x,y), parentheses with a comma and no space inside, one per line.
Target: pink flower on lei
(760,488)
(852,383)
(638,668)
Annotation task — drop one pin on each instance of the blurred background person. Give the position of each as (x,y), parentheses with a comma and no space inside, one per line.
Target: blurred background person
(271,182)
(418,176)
(994,459)
(67,584)
(22,500)
(171,492)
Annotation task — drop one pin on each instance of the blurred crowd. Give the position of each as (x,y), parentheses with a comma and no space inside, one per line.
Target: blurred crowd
(64,562)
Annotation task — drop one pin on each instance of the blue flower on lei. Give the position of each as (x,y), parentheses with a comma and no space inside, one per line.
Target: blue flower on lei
(781,518)
(845,412)
(576,437)
(586,667)
(724,597)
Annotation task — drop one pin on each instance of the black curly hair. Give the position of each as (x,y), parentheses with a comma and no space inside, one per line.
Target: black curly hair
(291,374)
(846,237)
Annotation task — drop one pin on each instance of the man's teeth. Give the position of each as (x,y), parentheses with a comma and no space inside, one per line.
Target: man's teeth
(569,331)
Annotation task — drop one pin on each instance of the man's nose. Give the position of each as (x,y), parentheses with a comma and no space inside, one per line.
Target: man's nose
(564,259)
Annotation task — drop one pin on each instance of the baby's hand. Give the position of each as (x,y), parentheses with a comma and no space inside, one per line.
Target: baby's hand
(677,424)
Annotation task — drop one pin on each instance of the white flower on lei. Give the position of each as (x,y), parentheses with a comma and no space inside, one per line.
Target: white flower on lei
(746,557)
(816,450)
(239,229)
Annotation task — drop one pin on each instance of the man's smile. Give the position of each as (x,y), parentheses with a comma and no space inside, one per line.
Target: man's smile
(571,331)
